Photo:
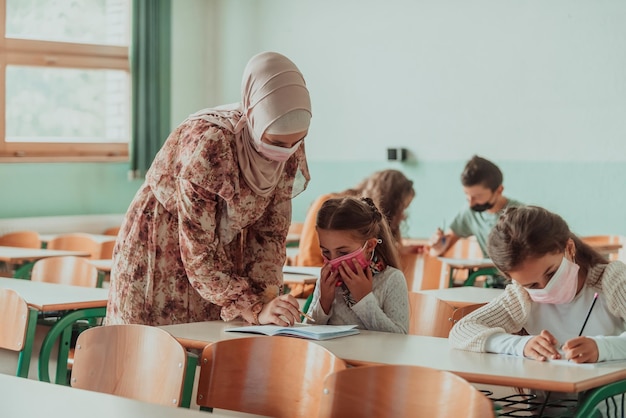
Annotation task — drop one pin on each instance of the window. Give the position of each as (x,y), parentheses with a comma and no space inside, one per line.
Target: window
(64,80)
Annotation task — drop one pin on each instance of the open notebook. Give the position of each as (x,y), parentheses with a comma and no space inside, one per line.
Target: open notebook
(311,332)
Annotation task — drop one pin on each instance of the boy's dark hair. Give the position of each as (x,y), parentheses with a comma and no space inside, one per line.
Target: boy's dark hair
(480,171)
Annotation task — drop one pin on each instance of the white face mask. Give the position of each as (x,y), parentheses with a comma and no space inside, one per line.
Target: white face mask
(562,286)
(276,153)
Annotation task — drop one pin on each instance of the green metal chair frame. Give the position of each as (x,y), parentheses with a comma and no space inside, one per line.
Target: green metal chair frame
(62,330)
(591,399)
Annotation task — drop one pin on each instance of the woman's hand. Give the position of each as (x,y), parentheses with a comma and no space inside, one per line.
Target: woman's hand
(359,283)
(581,350)
(542,347)
(327,284)
(282,310)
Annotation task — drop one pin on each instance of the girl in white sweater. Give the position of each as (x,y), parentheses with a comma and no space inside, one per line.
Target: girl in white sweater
(555,279)
(360,282)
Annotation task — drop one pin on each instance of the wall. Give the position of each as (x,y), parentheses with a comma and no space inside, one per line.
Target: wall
(538,87)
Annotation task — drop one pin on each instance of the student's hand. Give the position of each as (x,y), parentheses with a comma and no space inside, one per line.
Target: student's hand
(282,310)
(581,350)
(327,284)
(359,283)
(542,347)
(437,243)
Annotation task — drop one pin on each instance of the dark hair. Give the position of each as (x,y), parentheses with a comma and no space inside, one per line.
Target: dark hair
(480,171)
(389,189)
(525,232)
(361,218)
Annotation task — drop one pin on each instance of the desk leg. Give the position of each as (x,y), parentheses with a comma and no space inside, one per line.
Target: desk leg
(62,329)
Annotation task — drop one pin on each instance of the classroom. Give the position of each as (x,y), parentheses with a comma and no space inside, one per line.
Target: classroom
(536,87)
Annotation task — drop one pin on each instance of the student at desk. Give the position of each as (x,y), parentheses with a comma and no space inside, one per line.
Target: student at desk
(555,279)
(360,282)
(482,185)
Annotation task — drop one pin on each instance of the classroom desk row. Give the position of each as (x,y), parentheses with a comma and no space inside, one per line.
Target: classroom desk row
(371,347)
(31,398)
(70,303)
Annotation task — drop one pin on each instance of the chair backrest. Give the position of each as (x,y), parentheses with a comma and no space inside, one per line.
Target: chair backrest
(74,271)
(112,231)
(17,328)
(422,271)
(601,242)
(24,239)
(433,317)
(76,242)
(273,376)
(106,250)
(401,391)
(134,361)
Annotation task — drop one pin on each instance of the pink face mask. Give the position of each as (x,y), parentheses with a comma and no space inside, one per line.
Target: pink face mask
(358,255)
(276,153)
(562,286)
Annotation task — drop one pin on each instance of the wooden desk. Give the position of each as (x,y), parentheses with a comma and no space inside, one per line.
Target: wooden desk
(30,398)
(102,265)
(72,302)
(291,279)
(370,347)
(460,297)
(607,249)
(100,238)
(293,239)
(16,255)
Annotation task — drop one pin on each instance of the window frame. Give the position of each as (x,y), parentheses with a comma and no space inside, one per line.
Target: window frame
(54,54)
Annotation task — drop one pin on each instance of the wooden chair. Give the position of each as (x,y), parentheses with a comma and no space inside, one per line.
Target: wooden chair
(273,376)
(24,239)
(76,242)
(17,328)
(112,231)
(68,270)
(608,245)
(134,361)
(106,250)
(433,317)
(401,391)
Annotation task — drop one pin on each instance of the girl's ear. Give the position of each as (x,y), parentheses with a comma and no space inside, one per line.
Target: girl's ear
(372,243)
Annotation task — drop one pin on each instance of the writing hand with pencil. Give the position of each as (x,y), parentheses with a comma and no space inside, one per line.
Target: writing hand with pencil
(582,349)
(283,310)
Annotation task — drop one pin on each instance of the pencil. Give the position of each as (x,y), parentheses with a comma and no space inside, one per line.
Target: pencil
(309,317)
(443,230)
(595,297)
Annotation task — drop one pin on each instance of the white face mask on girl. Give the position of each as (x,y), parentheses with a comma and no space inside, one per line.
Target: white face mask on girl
(562,286)
(276,153)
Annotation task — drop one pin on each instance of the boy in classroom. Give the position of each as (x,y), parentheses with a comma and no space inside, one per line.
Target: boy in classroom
(360,282)
(482,185)
(567,300)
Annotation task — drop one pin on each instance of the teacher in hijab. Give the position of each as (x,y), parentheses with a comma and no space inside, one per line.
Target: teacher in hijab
(204,237)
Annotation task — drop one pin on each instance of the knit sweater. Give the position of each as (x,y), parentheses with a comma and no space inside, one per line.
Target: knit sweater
(385,308)
(514,310)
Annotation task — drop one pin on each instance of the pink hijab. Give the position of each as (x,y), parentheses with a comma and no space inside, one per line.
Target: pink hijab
(272,86)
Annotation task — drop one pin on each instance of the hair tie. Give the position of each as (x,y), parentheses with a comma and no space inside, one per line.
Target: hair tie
(375,212)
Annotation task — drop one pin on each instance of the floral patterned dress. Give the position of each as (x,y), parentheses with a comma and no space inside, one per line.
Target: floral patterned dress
(197,244)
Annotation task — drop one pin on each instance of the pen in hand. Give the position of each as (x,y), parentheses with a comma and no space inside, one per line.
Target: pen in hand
(443,232)
(307,316)
(595,297)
